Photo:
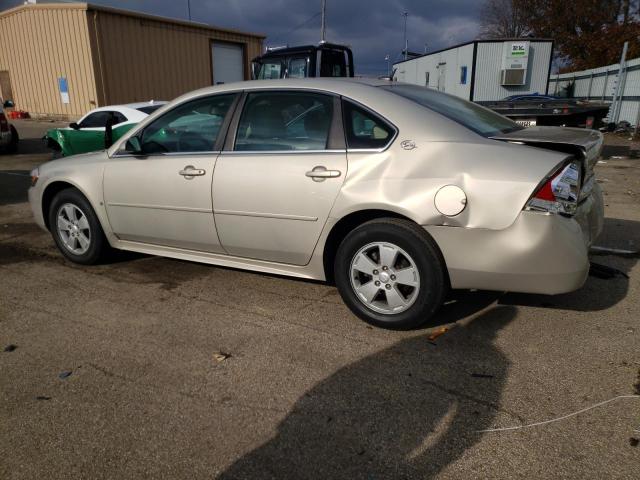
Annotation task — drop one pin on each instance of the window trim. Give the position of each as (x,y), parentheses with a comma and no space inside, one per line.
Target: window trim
(336,141)
(373,113)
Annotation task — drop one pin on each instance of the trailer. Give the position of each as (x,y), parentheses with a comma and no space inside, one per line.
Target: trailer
(532,110)
(483,70)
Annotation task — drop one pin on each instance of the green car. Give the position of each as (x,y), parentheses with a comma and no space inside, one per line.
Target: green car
(91,132)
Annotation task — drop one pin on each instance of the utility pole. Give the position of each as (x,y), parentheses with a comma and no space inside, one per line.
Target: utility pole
(387,57)
(616,103)
(406,42)
(324,22)
(189,9)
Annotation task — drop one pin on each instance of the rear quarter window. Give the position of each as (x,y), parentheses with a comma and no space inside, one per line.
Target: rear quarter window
(364,129)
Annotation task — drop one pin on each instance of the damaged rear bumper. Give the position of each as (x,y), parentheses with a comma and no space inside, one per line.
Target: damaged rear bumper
(539,253)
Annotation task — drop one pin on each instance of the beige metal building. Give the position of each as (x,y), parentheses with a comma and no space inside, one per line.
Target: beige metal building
(65,59)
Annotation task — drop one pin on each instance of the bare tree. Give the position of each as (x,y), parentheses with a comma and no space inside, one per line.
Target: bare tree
(503,19)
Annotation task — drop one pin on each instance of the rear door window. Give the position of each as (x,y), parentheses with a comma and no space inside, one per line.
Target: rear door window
(285,121)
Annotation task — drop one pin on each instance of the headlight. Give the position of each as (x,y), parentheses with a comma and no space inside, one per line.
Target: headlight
(35,174)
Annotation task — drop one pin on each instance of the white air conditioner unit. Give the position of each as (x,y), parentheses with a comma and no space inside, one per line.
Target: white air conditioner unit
(515,60)
(512,76)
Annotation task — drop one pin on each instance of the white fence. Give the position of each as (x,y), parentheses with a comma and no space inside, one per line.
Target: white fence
(599,84)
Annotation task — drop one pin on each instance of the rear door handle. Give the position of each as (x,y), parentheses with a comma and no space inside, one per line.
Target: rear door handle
(320,173)
(190,171)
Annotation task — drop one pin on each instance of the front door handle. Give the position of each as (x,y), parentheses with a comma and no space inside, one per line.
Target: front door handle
(320,173)
(190,171)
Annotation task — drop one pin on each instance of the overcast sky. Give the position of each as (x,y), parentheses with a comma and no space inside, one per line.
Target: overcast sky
(373,28)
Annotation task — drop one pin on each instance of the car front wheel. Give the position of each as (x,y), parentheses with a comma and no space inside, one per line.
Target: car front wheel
(390,273)
(75,228)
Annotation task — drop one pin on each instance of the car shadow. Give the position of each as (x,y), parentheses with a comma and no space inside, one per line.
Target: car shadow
(405,412)
(31,146)
(14,185)
(597,293)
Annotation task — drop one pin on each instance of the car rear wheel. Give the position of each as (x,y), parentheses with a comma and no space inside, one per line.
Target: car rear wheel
(391,274)
(76,229)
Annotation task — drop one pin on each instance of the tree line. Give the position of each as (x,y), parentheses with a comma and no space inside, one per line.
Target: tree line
(587,33)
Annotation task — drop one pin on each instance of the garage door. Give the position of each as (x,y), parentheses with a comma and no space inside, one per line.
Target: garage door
(228,62)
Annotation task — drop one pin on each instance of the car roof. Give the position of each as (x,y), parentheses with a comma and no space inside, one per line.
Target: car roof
(336,84)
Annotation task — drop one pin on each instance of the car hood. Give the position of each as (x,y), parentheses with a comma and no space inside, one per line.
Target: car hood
(579,141)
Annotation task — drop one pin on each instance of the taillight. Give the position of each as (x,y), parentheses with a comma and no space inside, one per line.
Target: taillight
(4,125)
(558,194)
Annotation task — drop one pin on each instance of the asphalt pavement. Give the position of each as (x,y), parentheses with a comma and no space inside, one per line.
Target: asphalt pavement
(148,367)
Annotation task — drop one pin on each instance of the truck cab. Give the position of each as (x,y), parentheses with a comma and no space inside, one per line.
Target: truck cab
(323,60)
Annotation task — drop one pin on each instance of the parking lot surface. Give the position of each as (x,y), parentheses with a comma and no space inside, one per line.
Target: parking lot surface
(157,368)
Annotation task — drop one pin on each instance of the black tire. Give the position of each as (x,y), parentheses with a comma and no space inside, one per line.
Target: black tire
(15,139)
(433,278)
(98,244)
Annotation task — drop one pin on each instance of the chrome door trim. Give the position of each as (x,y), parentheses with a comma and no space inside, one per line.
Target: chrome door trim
(266,215)
(160,207)
(167,154)
(278,152)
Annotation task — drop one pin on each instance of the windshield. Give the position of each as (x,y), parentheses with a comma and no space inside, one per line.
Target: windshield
(479,119)
(150,109)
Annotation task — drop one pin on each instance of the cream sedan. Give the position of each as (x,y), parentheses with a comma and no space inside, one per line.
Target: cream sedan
(395,192)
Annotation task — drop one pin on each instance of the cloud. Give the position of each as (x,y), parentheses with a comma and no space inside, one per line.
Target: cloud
(373,28)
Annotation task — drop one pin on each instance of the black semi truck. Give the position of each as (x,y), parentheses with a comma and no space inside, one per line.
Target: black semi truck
(323,60)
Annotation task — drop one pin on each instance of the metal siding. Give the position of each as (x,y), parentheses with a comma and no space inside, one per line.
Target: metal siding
(487,75)
(489,64)
(414,70)
(38,44)
(455,59)
(603,82)
(107,56)
(163,60)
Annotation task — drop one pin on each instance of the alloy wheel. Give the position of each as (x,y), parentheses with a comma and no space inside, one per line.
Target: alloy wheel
(73,228)
(384,278)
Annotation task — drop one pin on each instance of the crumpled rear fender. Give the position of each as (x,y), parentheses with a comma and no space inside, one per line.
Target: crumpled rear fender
(498,179)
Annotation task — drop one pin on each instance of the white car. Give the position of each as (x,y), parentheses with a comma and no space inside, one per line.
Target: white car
(90,132)
(128,113)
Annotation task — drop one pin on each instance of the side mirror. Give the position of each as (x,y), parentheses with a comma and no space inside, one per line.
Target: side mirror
(74,125)
(9,104)
(133,146)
